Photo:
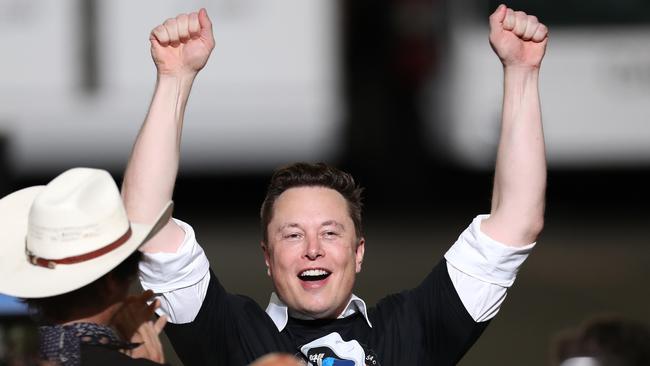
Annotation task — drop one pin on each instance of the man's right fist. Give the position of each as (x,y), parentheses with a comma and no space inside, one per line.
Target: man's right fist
(182,45)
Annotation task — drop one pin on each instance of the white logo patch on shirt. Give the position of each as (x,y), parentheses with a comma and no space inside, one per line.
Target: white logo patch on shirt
(332,350)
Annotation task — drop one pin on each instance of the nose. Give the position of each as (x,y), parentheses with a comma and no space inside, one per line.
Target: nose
(314,249)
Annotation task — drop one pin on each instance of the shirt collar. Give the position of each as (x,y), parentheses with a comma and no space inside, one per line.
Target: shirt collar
(279,312)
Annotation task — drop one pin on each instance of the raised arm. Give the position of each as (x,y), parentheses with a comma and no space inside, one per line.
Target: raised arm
(517,213)
(180,48)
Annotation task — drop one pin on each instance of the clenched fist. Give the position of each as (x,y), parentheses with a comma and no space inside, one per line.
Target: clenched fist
(517,38)
(182,45)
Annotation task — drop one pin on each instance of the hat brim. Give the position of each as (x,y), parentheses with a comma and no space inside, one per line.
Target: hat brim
(20,278)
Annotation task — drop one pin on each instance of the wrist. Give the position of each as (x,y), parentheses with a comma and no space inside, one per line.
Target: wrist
(172,91)
(181,76)
(520,78)
(521,69)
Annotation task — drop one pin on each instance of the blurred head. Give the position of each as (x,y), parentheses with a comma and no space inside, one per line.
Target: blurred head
(277,359)
(313,244)
(604,341)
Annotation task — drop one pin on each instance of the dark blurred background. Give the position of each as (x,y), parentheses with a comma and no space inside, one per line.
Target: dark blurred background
(404,94)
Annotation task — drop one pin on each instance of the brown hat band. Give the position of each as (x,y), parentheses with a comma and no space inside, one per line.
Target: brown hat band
(51,263)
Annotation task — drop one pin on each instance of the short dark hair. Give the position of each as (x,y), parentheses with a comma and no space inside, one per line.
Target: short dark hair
(312,175)
(61,308)
(611,340)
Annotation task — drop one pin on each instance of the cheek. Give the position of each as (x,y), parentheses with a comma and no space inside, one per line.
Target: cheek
(282,259)
(345,258)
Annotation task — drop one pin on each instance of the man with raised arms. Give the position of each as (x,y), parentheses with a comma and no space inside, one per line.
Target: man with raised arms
(313,241)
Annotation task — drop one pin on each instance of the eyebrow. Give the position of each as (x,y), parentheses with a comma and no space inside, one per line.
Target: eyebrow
(291,224)
(333,223)
(325,223)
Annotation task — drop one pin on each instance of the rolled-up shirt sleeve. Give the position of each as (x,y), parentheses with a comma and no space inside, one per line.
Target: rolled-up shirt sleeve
(180,280)
(482,269)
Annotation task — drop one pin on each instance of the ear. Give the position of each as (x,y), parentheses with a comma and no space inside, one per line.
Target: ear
(267,257)
(361,249)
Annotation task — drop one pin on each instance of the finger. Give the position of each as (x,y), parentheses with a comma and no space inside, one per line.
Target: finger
(148,333)
(146,348)
(204,21)
(531,28)
(148,294)
(509,20)
(206,28)
(146,297)
(151,308)
(520,23)
(160,35)
(540,34)
(157,345)
(496,19)
(194,25)
(140,298)
(145,331)
(152,342)
(160,324)
(172,30)
(182,23)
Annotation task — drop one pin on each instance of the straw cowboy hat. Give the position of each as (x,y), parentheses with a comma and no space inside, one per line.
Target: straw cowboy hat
(60,237)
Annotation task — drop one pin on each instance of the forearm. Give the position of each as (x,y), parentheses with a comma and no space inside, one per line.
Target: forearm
(520,175)
(151,172)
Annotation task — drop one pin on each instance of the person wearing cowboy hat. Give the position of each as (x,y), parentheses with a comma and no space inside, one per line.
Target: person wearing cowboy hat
(69,250)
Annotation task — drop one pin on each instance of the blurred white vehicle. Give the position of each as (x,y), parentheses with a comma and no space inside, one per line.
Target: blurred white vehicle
(595,86)
(268,94)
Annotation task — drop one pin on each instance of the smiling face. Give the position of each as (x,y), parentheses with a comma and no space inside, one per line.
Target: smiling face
(313,254)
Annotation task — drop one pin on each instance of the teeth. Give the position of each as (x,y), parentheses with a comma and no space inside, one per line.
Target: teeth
(313,272)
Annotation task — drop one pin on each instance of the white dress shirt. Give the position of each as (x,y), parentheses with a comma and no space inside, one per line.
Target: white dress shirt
(480,268)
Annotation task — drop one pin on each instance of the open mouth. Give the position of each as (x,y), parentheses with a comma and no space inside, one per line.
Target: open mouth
(314,275)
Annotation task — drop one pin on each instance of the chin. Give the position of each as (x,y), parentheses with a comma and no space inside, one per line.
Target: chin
(319,311)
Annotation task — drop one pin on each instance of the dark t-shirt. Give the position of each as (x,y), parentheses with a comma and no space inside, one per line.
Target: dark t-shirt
(427,325)
(102,356)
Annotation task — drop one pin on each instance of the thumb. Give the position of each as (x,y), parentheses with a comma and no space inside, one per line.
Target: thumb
(496,19)
(204,22)
(160,324)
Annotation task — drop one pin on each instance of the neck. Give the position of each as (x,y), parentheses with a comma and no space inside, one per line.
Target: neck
(335,315)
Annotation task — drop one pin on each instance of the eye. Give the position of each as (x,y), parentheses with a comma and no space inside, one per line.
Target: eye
(292,236)
(330,234)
